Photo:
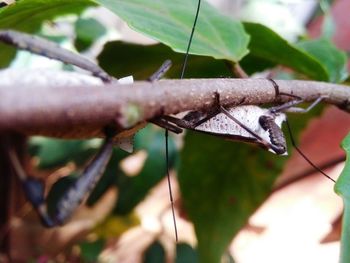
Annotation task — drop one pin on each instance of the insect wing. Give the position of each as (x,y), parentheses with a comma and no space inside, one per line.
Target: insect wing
(248,115)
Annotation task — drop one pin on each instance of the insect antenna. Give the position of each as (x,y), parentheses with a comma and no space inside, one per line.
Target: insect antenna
(184,64)
(303,155)
(154,77)
(43,47)
(167,131)
(169,184)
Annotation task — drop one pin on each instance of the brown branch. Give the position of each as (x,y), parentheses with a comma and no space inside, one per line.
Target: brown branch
(81,111)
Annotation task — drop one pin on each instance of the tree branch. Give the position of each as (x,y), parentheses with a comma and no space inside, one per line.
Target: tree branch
(82,110)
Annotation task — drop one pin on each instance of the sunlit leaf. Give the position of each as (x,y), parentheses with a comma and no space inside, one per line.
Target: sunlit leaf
(332,59)
(170,22)
(267,46)
(342,188)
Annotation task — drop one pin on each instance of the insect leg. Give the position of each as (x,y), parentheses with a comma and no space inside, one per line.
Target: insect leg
(195,118)
(82,187)
(288,107)
(167,126)
(157,76)
(179,122)
(166,134)
(285,106)
(161,71)
(301,110)
(267,144)
(49,49)
(161,122)
(278,93)
(192,119)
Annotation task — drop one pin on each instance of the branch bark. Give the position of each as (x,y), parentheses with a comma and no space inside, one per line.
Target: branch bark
(81,111)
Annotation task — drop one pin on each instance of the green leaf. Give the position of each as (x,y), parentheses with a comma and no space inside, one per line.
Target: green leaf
(331,58)
(185,254)
(87,31)
(91,250)
(170,22)
(28,16)
(266,45)
(342,188)
(155,253)
(121,59)
(222,183)
(55,152)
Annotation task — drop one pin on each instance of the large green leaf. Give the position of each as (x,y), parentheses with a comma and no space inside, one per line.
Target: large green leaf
(342,188)
(332,59)
(28,16)
(267,46)
(222,183)
(170,22)
(121,59)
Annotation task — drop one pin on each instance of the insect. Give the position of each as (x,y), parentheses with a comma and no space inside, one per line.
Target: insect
(248,123)
(245,123)
(33,188)
(83,186)
(51,50)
